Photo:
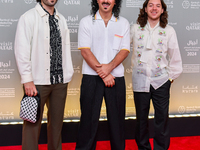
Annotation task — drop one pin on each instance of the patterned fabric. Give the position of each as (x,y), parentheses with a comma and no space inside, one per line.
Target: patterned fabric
(56,71)
(29,109)
(156,56)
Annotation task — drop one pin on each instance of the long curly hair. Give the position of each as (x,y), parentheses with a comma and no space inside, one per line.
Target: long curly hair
(143,17)
(116,8)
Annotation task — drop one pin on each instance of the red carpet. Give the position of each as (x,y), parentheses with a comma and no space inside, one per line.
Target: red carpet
(177,143)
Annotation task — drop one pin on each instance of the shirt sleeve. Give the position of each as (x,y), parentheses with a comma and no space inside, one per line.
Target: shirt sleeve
(84,35)
(175,61)
(23,49)
(126,38)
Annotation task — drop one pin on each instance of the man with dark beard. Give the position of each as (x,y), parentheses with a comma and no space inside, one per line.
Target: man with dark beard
(103,40)
(42,50)
(156,63)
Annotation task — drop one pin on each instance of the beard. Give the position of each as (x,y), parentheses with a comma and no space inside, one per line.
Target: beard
(49,3)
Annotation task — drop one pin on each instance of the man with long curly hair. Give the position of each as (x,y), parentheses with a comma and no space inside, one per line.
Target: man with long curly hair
(104,41)
(156,63)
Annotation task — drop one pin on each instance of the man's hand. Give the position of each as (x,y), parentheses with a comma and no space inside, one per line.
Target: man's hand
(30,89)
(109,80)
(103,70)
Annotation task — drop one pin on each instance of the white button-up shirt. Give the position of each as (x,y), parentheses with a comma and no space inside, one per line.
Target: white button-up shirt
(104,42)
(156,56)
(32,45)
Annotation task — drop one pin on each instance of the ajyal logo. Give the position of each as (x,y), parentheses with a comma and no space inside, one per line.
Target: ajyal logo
(186,4)
(28,1)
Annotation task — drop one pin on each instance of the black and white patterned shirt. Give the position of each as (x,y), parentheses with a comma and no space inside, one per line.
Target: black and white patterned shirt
(56,70)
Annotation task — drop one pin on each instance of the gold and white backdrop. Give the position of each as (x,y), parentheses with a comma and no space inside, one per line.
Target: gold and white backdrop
(183,16)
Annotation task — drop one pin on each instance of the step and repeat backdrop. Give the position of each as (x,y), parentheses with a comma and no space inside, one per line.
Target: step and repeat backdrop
(183,16)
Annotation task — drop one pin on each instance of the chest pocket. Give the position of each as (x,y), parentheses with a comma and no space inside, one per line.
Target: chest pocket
(117,42)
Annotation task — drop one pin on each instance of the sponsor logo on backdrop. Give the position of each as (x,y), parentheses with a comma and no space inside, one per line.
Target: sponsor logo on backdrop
(129,91)
(5,70)
(134,3)
(186,4)
(169,3)
(72,113)
(7,22)
(193,26)
(6,1)
(190,89)
(6,46)
(5,64)
(7,115)
(130,111)
(129,70)
(72,2)
(195,4)
(7,92)
(181,109)
(191,68)
(73,23)
(77,69)
(192,48)
(73,91)
(28,1)
(173,23)
(103,112)
(74,46)
(188,109)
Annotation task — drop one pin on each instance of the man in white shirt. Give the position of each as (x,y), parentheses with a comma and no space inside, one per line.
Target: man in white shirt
(103,40)
(156,63)
(42,51)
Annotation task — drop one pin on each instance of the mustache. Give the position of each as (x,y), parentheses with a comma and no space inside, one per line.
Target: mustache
(106,3)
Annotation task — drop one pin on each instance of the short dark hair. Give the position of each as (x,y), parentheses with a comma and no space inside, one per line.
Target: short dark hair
(143,17)
(116,8)
(38,0)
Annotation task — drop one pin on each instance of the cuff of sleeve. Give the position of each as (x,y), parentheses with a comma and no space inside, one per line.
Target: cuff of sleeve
(26,78)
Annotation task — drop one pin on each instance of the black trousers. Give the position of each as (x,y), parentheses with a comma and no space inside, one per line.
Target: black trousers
(160,99)
(93,90)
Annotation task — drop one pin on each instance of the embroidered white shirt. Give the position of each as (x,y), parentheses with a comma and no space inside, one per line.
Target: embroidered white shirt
(104,42)
(156,56)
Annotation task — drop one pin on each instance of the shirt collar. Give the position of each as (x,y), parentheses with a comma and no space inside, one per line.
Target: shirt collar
(98,17)
(149,27)
(42,12)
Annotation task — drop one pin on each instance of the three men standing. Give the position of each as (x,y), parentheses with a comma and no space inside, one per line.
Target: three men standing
(42,49)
